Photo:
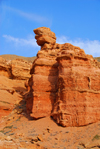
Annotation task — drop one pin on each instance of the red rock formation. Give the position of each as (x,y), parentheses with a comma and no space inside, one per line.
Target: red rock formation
(43,82)
(43,86)
(64,83)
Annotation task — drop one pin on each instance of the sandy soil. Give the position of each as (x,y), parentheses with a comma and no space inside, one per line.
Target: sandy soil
(45,132)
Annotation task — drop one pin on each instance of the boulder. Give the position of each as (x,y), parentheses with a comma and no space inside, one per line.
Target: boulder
(44,35)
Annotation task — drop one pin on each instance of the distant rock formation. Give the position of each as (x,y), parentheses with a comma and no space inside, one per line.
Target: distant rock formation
(64,83)
(15,69)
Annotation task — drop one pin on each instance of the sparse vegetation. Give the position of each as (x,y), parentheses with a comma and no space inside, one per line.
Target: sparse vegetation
(2,131)
(4,102)
(96,137)
(7,127)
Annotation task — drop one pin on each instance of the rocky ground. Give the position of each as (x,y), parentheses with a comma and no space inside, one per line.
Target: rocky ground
(19,132)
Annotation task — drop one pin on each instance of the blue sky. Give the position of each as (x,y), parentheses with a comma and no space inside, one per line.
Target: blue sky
(73,21)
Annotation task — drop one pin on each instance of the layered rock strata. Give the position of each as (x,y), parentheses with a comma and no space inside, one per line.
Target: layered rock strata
(15,69)
(20,69)
(43,85)
(5,68)
(64,83)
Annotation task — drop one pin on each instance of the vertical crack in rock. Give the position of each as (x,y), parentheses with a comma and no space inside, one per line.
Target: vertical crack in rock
(89,82)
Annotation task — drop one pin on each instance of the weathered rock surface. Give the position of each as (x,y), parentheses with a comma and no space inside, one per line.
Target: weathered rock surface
(5,68)
(10,94)
(43,89)
(44,35)
(13,74)
(20,69)
(77,101)
(64,83)
(15,69)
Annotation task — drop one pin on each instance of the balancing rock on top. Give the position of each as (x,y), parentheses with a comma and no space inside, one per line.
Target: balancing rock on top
(44,35)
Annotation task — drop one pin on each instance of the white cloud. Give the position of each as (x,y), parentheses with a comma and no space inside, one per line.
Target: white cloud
(29,16)
(90,47)
(29,41)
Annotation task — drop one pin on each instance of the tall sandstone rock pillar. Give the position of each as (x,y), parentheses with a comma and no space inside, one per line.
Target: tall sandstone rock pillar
(64,83)
(43,82)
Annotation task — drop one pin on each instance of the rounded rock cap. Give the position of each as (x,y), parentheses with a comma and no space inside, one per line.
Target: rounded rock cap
(44,35)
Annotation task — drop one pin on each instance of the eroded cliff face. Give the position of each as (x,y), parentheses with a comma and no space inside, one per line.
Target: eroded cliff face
(5,69)
(77,101)
(64,83)
(15,69)
(13,74)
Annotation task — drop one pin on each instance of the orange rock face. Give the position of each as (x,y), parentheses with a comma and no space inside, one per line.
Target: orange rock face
(64,83)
